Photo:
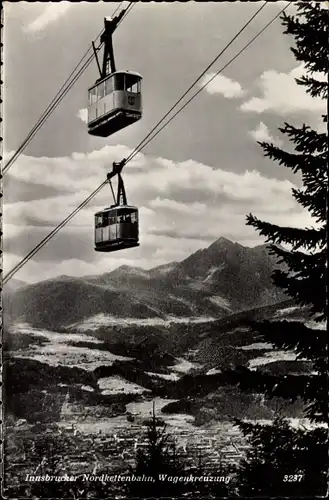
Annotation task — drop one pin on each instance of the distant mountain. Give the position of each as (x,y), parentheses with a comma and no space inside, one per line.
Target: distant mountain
(14,285)
(213,282)
(163,270)
(225,270)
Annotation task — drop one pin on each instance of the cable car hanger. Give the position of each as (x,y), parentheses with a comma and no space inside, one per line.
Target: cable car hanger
(116,227)
(115,99)
(48,238)
(121,198)
(106,38)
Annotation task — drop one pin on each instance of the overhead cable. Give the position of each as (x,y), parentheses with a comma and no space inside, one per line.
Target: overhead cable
(140,145)
(210,80)
(52,234)
(85,202)
(66,87)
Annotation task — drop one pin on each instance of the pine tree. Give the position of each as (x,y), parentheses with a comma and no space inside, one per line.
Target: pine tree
(280,453)
(162,457)
(158,458)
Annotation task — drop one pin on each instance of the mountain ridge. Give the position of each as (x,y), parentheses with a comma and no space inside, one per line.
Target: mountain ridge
(213,282)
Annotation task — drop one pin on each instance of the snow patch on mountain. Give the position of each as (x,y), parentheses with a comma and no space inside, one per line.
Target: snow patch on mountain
(203,282)
(87,388)
(101,320)
(118,385)
(57,351)
(256,345)
(166,376)
(135,271)
(183,301)
(316,326)
(212,271)
(51,336)
(286,311)
(185,366)
(145,408)
(296,423)
(165,268)
(220,301)
(272,357)
(213,371)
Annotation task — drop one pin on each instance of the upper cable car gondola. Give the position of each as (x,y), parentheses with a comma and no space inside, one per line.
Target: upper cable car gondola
(116,227)
(115,100)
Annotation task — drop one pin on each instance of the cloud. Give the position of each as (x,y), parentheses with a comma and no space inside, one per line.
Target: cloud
(262,133)
(281,94)
(176,207)
(183,206)
(51,13)
(15,189)
(83,114)
(222,85)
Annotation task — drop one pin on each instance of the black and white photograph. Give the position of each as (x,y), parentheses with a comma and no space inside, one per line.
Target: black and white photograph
(164,249)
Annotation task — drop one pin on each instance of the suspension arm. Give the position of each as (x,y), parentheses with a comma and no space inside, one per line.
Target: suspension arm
(106,38)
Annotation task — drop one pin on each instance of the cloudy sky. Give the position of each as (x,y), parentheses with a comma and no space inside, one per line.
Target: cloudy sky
(196,181)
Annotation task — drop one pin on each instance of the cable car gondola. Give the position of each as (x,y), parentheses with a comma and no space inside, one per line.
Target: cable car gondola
(116,227)
(115,100)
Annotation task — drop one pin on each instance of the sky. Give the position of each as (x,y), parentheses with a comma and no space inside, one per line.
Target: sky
(197,180)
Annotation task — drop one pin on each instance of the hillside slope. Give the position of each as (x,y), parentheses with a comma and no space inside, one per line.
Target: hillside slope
(213,282)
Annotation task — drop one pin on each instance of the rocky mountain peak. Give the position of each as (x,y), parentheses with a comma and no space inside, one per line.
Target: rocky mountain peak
(224,278)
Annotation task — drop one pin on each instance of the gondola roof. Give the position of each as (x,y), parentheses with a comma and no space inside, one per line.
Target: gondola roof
(115,207)
(126,71)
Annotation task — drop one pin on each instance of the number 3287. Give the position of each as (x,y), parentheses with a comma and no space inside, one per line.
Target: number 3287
(292,478)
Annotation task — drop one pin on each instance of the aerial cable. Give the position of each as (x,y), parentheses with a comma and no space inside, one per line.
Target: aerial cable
(43,117)
(18,266)
(131,156)
(140,146)
(57,99)
(112,190)
(116,10)
(52,233)
(128,9)
(71,84)
(59,96)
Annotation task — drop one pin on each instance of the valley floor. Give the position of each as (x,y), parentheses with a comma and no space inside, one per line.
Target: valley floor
(73,404)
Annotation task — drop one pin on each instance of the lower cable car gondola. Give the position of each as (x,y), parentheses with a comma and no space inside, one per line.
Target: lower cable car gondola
(116,227)
(115,100)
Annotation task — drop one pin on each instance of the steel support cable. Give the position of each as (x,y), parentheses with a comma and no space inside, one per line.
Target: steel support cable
(128,9)
(68,88)
(131,156)
(59,96)
(52,233)
(140,145)
(116,10)
(57,99)
(76,77)
(44,115)
(83,204)
(112,190)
